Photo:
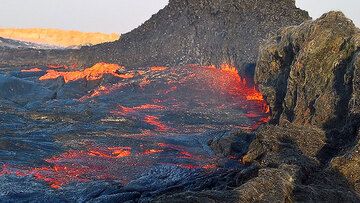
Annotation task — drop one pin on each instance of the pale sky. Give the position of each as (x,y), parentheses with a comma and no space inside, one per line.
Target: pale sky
(119,16)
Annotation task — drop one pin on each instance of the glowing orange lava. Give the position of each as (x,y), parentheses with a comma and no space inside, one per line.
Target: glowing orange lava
(155,121)
(95,72)
(152,151)
(81,166)
(111,152)
(31,70)
(102,90)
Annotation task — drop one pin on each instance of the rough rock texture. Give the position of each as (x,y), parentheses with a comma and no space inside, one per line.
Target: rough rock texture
(231,144)
(192,32)
(310,76)
(204,32)
(310,153)
(349,165)
(307,72)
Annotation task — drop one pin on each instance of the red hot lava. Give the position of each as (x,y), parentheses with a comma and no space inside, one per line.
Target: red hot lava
(96,163)
(95,72)
(155,121)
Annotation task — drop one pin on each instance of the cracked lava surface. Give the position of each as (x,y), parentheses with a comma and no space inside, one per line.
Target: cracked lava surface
(64,125)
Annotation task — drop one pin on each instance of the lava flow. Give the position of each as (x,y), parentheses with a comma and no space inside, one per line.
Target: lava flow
(99,163)
(95,72)
(135,120)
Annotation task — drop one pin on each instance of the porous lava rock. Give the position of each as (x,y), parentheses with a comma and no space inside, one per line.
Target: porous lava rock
(309,74)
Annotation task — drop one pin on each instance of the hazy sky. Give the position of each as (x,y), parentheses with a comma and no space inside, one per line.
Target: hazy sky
(119,16)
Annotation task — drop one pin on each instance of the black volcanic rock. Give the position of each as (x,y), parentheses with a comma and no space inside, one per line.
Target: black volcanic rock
(309,74)
(202,32)
(189,32)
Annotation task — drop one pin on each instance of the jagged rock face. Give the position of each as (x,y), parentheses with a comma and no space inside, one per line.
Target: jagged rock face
(310,77)
(309,73)
(202,32)
(349,165)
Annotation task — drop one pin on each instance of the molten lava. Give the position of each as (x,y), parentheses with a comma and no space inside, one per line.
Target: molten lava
(96,163)
(96,72)
(155,121)
(154,114)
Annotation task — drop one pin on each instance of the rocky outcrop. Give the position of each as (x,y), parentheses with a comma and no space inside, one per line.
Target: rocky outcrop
(308,73)
(310,153)
(349,165)
(190,32)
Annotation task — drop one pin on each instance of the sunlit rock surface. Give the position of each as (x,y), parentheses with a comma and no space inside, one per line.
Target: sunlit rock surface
(56,37)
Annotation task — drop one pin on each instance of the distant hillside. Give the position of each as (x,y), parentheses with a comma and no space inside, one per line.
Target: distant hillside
(56,37)
(184,32)
(15,44)
(201,32)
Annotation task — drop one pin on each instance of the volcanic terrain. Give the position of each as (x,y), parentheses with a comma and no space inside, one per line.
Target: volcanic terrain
(208,101)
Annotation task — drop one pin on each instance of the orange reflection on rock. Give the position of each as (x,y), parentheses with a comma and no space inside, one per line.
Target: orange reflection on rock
(152,151)
(243,88)
(103,90)
(95,72)
(31,70)
(144,82)
(209,166)
(111,152)
(158,68)
(120,152)
(127,110)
